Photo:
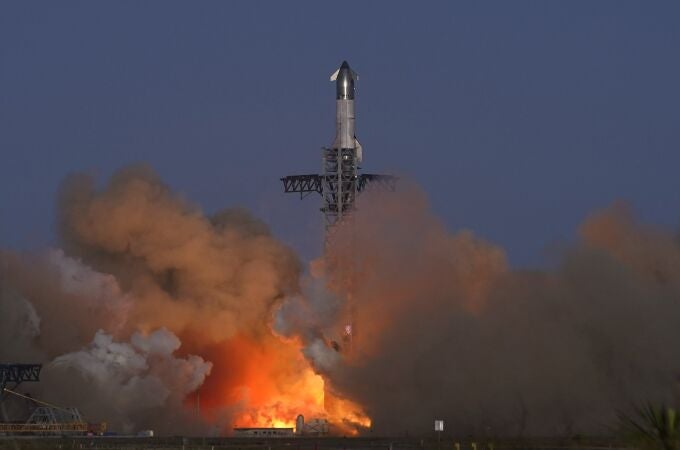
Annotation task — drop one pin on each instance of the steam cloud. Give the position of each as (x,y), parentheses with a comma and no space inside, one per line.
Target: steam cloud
(132,382)
(444,329)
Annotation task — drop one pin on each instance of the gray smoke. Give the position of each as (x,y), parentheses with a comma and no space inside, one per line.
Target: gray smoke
(148,297)
(444,329)
(50,307)
(136,384)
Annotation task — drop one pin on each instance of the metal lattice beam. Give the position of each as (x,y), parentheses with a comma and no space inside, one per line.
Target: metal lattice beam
(18,373)
(338,186)
(340,181)
(306,184)
(385,182)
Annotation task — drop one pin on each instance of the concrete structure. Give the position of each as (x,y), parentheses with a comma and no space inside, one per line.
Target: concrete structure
(264,432)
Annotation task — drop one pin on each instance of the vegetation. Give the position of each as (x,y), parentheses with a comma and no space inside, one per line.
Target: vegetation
(652,427)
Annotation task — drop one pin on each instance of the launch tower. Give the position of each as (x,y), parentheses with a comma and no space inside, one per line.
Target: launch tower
(340,181)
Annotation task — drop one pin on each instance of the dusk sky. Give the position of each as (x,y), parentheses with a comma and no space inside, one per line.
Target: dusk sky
(518,119)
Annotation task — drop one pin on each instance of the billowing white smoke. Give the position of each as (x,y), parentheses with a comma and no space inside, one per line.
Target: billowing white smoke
(125,384)
(130,379)
(313,314)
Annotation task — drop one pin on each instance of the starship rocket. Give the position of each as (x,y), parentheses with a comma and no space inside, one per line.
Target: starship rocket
(345,137)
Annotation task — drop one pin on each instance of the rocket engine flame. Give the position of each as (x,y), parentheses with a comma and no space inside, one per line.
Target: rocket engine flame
(269,382)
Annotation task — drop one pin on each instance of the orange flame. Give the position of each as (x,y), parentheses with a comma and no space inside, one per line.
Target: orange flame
(267,382)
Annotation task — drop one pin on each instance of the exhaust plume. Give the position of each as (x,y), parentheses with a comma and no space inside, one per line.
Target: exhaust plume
(150,302)
(443,328)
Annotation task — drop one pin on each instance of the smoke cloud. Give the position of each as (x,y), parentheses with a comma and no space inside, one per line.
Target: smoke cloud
(213,276)
(442,328)
(133,384)
(149,308)
(143,301)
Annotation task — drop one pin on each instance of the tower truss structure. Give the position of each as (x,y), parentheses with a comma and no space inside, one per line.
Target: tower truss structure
(340,181)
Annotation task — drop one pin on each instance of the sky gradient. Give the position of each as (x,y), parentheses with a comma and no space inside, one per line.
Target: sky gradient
(517,118)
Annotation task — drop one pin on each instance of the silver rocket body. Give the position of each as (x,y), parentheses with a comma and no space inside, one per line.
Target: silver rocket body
(341,161)
(345,136)
(344,124)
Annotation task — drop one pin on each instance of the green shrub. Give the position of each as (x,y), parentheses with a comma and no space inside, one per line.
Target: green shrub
(651,427)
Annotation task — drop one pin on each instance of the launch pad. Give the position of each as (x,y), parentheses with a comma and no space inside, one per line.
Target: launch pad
(425,442)
(45,419)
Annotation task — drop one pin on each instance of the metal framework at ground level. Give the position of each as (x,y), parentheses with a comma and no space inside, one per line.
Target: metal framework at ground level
(18,373)
(46,428)
(49,419)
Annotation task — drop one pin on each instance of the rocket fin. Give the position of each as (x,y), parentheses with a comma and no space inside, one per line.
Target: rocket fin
(358,150)
(334,75)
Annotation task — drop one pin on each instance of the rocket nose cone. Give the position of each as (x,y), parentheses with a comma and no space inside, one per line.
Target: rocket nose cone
(344,81)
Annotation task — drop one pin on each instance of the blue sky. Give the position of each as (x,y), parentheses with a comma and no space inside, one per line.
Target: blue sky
(517,118)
